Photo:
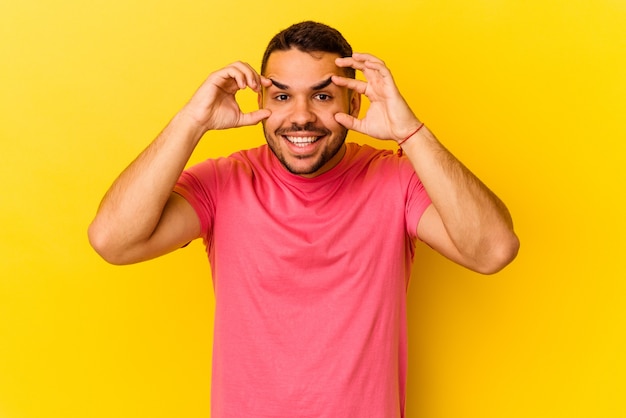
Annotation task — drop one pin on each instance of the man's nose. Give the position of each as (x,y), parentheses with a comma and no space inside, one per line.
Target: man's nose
(302,112)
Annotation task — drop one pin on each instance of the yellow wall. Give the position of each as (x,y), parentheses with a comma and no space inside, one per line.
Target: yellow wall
(529,94)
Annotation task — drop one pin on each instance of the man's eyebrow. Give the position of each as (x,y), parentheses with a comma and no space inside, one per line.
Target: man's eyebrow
(317,86)
(279,85)
(323,84)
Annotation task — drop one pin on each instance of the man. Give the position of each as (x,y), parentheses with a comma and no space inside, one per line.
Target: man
(310,239)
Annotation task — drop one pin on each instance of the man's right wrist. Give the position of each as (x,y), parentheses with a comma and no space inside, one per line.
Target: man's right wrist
(190,124)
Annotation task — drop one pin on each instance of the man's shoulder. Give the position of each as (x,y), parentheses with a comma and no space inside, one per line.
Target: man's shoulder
(250,155)
(379,163)
(239,159)
(369,155)
(221,169)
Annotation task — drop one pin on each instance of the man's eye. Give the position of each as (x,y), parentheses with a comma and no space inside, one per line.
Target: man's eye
(281,97)
(323,97)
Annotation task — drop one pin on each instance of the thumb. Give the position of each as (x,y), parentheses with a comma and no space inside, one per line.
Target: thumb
(348,121)
(252,118)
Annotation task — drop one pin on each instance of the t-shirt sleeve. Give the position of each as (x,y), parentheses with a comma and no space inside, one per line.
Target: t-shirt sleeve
(197,185)
(417,199)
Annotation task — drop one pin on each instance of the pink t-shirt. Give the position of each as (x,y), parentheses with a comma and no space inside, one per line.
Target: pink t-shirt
(310,279)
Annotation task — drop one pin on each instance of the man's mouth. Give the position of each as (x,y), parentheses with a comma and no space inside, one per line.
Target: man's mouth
(301,141)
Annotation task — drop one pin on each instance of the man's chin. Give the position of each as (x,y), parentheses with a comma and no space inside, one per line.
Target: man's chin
(305,165)
(302,168)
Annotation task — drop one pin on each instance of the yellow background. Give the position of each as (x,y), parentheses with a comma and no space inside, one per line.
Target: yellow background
(529,94)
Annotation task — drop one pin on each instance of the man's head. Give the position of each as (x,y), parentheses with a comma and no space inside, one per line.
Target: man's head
(309,37)
(302,130)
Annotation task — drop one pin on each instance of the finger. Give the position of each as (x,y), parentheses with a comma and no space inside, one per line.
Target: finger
(252,118)
(377,66)
(359,60)
(351,83)
(266,82)
(231,79)
(367,57)
(348,122)
(246,76)
(364,63)
(370,62)
(349,62)
(253,77)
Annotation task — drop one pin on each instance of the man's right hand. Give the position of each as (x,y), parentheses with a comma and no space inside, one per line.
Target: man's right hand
(214,106)
(140,217)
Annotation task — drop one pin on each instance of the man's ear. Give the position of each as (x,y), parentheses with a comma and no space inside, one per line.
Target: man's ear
(355,103)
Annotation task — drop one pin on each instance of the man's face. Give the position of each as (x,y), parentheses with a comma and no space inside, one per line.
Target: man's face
(302,131)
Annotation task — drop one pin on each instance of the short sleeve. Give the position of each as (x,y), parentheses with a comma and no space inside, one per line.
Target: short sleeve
(417,199)
(198,186)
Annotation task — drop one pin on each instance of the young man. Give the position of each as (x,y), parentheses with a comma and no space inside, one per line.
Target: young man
(310,239)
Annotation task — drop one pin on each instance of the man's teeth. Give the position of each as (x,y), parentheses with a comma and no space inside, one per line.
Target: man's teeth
(302,141)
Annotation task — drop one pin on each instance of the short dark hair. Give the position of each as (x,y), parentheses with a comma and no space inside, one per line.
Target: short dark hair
(310,37)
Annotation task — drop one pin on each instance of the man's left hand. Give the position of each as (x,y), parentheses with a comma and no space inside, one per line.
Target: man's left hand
(389,117)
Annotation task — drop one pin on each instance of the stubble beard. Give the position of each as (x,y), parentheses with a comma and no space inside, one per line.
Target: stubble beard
(326,155)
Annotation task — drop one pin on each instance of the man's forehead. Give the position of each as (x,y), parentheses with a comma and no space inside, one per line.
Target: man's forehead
(305,63)
(315,55)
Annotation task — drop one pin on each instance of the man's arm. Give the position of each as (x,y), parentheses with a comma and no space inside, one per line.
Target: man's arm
(140,217)
(466,222)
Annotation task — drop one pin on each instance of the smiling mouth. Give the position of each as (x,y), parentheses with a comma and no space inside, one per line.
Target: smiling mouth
(302,141)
